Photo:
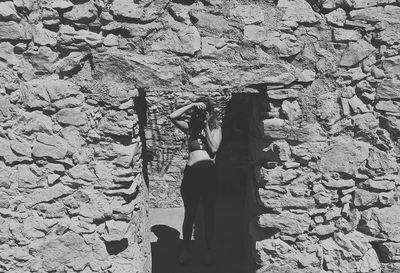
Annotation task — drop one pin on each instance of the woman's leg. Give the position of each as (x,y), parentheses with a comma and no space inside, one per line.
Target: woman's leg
(191,197)
(209,200)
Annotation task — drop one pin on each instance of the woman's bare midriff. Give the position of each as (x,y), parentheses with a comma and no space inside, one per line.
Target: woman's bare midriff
(198,156)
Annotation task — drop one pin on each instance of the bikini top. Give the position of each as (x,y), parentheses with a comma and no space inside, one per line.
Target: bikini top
(198,142)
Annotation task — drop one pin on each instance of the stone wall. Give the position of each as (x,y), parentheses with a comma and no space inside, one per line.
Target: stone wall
(72,193)
(81,80)
(323,192)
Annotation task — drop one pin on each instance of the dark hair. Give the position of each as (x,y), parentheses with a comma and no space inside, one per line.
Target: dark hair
(198,117)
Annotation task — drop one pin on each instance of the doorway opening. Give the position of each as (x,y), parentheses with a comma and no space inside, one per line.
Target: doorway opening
(231,223)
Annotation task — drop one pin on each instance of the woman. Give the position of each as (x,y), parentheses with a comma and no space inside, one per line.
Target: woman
(199,177)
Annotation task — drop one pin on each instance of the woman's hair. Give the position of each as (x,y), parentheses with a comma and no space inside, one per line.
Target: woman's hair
(198,117)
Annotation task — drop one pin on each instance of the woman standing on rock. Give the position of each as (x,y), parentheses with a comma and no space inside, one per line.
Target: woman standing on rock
(199,177)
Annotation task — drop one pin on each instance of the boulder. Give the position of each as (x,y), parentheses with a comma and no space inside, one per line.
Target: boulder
(345,35)
(344,155)
(379,160)
(388,106)
(117,123)
(285,201)
(391,66)
(389,13)
(276,128)
(247,14)
(282,94)
(11,30)
(82,13)
(8,12)
(43,93)
(388,89)
(47,195)
(67,251)
(355,53)
(298,11)
(286,223)
(50,146)
(71,116)
(389,252)
(82,172)
(7,56)
(43,36)
(142,11)
(336,17)
(381,223)
(364,199)
(380,185)
(179,38)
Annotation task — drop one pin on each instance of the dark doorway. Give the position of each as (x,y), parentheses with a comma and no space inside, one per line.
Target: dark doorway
(231,222)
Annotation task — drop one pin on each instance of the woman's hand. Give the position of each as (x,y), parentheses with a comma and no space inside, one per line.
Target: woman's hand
(199,105)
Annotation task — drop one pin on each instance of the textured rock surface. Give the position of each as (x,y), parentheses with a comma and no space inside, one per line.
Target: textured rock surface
(79,80)
(72,195)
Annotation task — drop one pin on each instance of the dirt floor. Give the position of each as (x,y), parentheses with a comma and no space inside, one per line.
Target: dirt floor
(230,243)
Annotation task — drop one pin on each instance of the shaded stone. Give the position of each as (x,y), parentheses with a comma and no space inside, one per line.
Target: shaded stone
(298,11)
(276,128)
(306,76)
(116,230)
(79,39)
(62,4)
(82,172)
(42,93)
(8,12)
(179,38)
(355,53)
(323,230)
(21,148)
(381,223)
(338,184)
(336,17)
(247,14)
(71,62)
(7,56)
(36,122)
(277,176)
(28,177)
(388,89)
(363,198)
(71,116)
(380,160)
(287,223)
(51,146)
(282,94)
(291,110)
(82,13)
(344,155)
(389,252)
(213,25)
(117,123)
(126,154)
(47,195)
(389,14)
(11,30)
(285,201)
(69,250)
(272,251)
(388,106)
(380,185)
(43,59)
(43,36)
(345,35)
(144,11)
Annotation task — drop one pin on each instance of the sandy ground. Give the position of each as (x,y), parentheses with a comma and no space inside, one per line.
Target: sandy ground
(230,247)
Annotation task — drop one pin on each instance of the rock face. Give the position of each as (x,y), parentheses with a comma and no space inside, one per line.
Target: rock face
(71,186)
(84,85)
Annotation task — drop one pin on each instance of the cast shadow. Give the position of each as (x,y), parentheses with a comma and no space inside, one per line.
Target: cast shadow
(166,249)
